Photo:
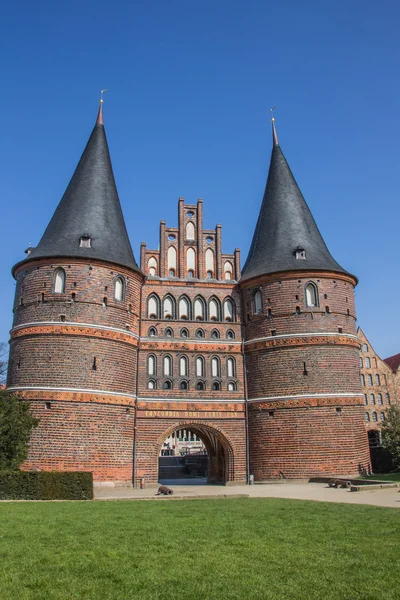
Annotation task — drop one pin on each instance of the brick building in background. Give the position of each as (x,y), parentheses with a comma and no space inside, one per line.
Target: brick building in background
(262,366)
(380,383)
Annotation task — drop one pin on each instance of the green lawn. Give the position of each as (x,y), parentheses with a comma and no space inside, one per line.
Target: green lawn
(385,477)
(265,549)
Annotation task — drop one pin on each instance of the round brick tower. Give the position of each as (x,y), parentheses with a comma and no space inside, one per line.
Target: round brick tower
(305,405)
(75,334)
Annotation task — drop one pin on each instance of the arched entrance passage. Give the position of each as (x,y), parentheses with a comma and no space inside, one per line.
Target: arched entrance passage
(205,453)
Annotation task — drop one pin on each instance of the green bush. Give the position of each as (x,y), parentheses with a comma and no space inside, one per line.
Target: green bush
(45,485)
(16,426)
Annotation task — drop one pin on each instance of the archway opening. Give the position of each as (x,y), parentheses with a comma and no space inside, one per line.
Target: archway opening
(193,455)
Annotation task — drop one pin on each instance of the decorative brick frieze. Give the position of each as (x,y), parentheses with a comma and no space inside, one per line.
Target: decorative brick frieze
(302,340)
(93,396)
(76,330)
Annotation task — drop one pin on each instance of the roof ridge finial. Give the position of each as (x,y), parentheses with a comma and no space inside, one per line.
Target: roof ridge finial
(99,120)
(274,134)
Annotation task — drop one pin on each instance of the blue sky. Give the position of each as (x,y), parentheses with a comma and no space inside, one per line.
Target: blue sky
(187,114)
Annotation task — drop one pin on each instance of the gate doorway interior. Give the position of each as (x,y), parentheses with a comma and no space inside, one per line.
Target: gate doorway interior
(193,455)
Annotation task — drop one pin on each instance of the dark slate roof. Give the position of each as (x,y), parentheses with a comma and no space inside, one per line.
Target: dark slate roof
(91,206)
(285,224)
(393,362)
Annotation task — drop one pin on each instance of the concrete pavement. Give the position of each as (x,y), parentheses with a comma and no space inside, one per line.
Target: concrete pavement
(319,492)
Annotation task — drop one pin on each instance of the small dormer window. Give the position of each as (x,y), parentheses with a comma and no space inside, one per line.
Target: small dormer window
(300,253)
(85,241)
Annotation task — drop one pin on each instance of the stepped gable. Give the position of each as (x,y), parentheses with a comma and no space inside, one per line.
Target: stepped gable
(285,226)
(89,208)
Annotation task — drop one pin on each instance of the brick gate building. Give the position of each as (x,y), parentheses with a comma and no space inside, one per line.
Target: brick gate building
(262,365)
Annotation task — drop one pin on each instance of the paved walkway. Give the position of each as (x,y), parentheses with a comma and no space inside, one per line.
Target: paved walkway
(298,491)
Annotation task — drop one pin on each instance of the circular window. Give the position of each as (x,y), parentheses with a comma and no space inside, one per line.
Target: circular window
(209,239)
(171,237)
(190,214)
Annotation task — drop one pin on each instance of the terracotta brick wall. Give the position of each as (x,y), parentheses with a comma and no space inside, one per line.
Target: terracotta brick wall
(60,361)
(378,384)
(307,440)
(282,295)
(83,437)
(311,351)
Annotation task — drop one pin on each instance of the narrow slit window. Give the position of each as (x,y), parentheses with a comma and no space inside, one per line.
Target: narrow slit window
(215,369)
(183,366)
(167,365)
(231,367)
(151,365)
(199,366)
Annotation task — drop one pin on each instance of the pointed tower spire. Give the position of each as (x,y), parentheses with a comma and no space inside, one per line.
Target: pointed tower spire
(99,120)
(286,237)
(88,222)
(274,134)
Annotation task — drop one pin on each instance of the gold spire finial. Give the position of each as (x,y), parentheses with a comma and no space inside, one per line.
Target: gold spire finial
(99,120)
(101,95)
(274,134)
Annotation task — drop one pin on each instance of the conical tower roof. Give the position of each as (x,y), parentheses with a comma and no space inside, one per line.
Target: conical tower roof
(89,208)
(285,226)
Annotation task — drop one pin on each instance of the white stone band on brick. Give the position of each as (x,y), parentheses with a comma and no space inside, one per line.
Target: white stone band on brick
(180,341)
(299,396)
(193,400)
(68,389)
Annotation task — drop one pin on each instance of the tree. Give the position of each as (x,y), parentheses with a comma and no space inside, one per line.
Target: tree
(16,426)
(391,434)
(3,362)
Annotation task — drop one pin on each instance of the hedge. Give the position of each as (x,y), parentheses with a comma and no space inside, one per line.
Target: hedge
(46,485)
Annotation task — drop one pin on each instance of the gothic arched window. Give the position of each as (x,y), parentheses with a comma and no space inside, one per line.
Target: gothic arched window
(190,262)
(210,262)
(171,261)
(152,264)
(229,309)
(190,231)
(184,308)
(228,270)
(199,309)
(183,366)
(119,289)
(59,282)
(215,367)
(231,367)
(169,308)
(153,305)
(167,365)
(213,310)
(199,366)
(311,294)
(151,365)
(257,302)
